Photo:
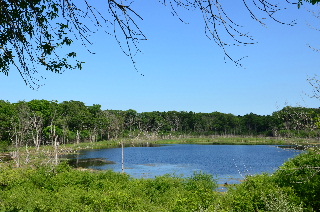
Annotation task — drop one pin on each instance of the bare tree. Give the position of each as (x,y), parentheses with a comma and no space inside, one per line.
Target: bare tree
(36,124)
(315,83)
(21,123)
(316,15)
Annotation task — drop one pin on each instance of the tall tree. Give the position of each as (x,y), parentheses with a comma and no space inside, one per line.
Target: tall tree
(78,118)
(6,114)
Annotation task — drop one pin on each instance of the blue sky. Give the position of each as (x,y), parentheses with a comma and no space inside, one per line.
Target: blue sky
(185,71)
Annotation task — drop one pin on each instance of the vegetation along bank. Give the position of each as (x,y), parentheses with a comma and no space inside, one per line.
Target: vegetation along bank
(38,132)
(294,187)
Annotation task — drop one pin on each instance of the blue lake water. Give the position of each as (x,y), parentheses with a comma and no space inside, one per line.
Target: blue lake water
(227,163)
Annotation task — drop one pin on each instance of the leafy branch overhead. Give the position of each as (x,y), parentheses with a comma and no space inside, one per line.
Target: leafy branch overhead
(35,34)
(29,36)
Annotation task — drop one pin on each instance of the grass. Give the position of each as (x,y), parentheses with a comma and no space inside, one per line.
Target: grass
(236,140)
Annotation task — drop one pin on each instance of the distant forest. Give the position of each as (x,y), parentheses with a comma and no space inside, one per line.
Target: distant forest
(42,122)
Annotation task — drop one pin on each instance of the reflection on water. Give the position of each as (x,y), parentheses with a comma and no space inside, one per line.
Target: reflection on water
(228,163)
(88,162)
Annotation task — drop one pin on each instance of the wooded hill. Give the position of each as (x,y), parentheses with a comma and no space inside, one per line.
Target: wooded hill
(42,122)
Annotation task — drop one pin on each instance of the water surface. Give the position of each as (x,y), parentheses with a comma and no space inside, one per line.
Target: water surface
(227,163)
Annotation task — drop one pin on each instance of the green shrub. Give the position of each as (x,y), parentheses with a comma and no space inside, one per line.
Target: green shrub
(302,174)
(259,193)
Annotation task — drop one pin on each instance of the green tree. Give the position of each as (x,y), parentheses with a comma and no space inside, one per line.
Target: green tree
(78,118)
(115,123)
(32,32)
(152,121)
(309,1)
(43,114)
(6,113)
(96,123)
(130,119)
(222,123)
(293,121)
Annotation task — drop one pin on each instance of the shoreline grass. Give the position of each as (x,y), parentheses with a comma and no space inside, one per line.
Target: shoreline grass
(214,140)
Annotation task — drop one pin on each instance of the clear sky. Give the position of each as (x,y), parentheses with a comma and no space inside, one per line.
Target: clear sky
(185,71)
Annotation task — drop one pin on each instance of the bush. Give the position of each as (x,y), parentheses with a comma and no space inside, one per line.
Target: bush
(62,188)
(259,193)
(302,174)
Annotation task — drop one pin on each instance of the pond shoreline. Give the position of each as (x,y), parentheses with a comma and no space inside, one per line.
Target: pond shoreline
(212,140)
(45,154)
(225,161)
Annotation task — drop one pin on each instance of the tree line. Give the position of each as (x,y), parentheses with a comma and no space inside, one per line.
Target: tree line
(43,122)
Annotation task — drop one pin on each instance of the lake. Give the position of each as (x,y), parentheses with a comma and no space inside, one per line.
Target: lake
(227,163)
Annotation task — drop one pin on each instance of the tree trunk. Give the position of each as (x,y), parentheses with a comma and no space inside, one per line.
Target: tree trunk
(78,137)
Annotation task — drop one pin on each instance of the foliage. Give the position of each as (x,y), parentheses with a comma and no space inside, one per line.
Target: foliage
(66,189)
(32,32)
(294,187)
(309,1)
(302,174)
(43,122)
(260,193)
